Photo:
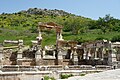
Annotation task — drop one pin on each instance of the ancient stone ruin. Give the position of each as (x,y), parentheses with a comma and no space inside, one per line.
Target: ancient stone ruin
(64,53)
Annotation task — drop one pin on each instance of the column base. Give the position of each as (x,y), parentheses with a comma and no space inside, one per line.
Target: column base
(60,61)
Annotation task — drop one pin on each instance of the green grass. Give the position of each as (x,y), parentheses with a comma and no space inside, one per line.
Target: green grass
(50,39)
(90,36)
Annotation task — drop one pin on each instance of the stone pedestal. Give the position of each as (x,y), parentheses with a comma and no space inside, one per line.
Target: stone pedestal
(60,58)
(38,57)
(19,57)
(75,58)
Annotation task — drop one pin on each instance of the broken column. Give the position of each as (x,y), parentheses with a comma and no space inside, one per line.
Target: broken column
(38,54)
(39,38)
(59,36)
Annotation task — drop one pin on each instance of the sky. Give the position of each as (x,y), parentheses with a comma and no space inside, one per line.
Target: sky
(87,8)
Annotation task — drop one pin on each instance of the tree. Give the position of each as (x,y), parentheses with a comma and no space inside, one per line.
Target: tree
(105,23)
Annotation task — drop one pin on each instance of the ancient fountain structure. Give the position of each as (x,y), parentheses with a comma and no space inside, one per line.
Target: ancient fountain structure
(64,53)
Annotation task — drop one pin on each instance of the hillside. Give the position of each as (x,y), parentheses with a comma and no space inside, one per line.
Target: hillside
(23,25)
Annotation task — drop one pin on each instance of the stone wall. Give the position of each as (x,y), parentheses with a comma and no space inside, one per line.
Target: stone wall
(9,77)
(21,76)
(67,62)
(45,62)
(54,62)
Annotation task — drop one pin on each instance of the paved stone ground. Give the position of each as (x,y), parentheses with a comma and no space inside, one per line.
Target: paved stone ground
(106,75)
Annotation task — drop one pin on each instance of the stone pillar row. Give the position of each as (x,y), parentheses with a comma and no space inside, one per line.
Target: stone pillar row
(87,53)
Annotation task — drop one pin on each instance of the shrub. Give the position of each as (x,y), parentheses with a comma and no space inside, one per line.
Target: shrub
(82,74)
(0,31)
(116,38)
(48,78)
(100,38)
(65,76)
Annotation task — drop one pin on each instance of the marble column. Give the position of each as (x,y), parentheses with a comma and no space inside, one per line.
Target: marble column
(53,54)
(39,38)
(103,52)
(60,37)
(71,54)
(85,53)
(60,54)
(60,57)
(89,54)
(38,55)
(96,50)
(40,34)
(43,53)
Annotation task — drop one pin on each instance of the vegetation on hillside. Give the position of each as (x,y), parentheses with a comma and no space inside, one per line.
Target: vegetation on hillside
(23,25)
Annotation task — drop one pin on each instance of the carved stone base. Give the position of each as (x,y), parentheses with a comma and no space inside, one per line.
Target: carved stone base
(19,62)
(60,61)
(75,60)
(39,62)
